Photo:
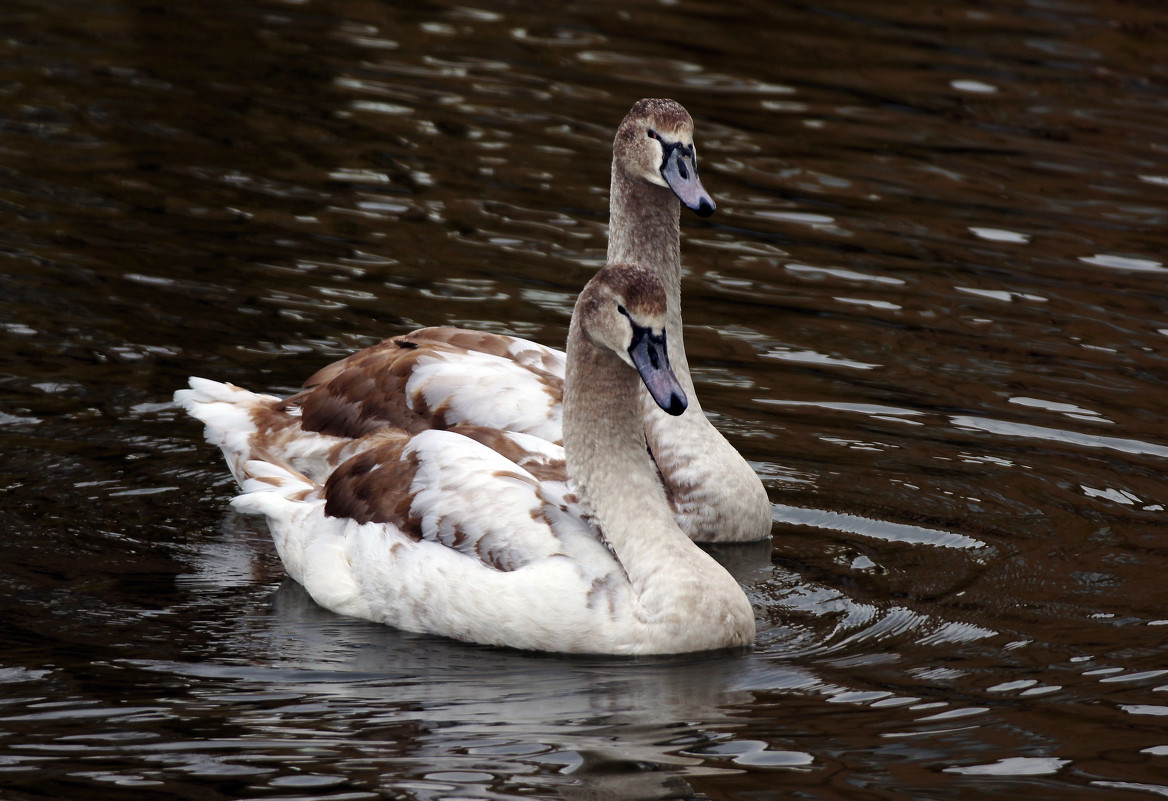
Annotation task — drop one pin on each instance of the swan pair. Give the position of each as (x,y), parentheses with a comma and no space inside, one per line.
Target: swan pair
(421,482)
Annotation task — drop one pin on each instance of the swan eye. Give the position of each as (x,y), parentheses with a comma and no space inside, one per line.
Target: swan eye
(653,134)
(620,308)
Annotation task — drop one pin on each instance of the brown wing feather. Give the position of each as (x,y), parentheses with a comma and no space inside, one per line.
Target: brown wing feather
(374,486)
(377,484)
(366,392)
(363,393)
(499,441)
(534,357)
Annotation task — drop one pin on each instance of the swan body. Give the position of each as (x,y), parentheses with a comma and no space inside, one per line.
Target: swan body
(476,533)
(442,377)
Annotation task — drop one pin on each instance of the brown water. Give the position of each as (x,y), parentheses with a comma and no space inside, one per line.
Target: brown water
(931,310)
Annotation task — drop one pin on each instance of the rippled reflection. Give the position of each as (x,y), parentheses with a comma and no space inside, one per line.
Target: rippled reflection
(929,311)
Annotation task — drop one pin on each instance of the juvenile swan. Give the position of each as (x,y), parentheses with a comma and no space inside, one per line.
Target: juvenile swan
(443,377)
(454,532)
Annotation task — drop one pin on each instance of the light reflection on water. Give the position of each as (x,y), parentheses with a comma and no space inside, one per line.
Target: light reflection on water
(929,311)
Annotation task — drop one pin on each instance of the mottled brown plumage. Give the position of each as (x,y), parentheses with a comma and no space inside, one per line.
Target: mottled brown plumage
(445,378)
(367,391)
(502,443)
(375,485)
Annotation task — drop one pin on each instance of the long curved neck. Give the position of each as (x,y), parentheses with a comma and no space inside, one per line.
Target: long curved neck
(678,587)
(608,463)
(644,226)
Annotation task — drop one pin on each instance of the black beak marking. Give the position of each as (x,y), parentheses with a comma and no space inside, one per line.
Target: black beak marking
(650,355)
(679,168)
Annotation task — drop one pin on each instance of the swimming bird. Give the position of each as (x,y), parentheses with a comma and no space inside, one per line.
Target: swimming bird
(473,533)
(443,377)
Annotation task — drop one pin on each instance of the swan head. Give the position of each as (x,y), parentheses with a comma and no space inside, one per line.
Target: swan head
(654,144)
(623,309)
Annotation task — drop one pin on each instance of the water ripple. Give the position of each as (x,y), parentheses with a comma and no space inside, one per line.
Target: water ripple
(1027,431)
(879,529)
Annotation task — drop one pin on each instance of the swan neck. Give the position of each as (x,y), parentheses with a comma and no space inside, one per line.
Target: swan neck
(645,227)
(607,458)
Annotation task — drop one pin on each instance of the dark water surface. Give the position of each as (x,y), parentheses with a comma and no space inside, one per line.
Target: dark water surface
(931,310)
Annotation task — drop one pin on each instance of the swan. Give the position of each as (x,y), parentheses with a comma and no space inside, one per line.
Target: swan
(453,531)
(441,377)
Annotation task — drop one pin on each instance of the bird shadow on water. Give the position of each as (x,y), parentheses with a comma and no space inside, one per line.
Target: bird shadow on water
(433,713)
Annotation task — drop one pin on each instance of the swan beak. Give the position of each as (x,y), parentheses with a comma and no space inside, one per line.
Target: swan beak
(680,171)
(651,358)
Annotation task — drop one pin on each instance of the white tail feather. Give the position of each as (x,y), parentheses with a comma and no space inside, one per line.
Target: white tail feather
(227,412)
(225,409)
